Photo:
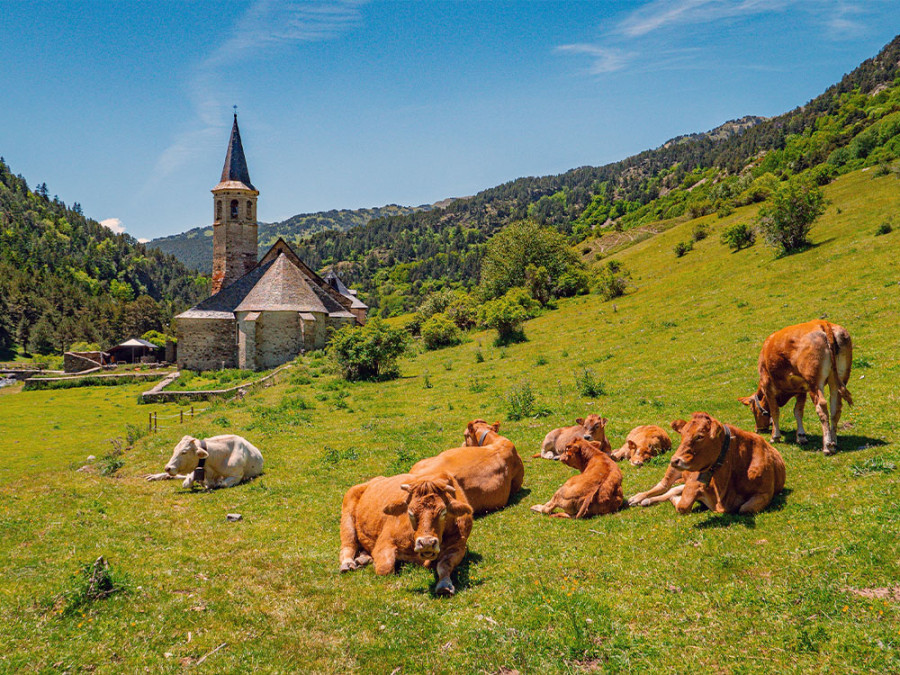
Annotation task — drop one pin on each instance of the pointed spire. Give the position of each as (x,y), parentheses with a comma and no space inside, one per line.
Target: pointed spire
(235,169)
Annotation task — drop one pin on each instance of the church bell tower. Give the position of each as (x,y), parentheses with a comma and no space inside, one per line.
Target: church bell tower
(234,227)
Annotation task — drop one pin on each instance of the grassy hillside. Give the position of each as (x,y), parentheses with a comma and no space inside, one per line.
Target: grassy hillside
(643,590)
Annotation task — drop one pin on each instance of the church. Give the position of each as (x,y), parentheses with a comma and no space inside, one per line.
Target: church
(261,313)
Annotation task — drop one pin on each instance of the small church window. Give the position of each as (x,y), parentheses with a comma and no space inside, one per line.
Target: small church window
(234,209)
(249,209)
(218,210)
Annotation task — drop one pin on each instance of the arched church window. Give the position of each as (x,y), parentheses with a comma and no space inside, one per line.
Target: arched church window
(234,209)
(218,210)
(249,210)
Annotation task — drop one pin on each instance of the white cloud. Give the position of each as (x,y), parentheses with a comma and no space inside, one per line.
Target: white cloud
(259,32)
(113,224)
(143,240)
(604,59)
(662,13)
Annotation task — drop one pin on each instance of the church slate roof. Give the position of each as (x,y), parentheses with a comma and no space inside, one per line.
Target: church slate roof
(335,282)
(235,173)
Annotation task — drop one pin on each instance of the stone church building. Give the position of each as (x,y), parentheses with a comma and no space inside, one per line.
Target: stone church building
(261,314)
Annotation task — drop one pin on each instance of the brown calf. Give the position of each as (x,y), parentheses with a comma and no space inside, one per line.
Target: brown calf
(643,443)
(594,491)
(423,519)
(488,468)
(798,360)
(726,468)
(589,428)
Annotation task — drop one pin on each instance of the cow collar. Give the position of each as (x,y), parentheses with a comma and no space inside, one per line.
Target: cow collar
(200,471)
(707,475)
(483,436)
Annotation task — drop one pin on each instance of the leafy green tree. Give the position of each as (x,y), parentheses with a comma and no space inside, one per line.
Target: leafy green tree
(368,352)
(573,282)
(514,248)
(42,339)
(785,220)
(439,331)
(738,236)
(612,280)
(505,316)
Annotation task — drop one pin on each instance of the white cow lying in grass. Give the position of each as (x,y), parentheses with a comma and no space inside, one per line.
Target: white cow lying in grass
(226,460)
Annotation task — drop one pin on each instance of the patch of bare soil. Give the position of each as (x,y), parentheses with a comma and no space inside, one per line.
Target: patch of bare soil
(890,593)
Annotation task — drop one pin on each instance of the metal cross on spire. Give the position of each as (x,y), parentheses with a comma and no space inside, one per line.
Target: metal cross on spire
(235,110)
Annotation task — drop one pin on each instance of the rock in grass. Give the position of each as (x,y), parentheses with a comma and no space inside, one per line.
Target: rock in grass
(234,517)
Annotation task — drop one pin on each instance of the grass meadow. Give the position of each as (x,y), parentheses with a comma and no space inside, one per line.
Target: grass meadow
(791,590)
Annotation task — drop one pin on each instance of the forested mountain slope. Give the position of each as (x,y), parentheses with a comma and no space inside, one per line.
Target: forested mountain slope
(66,278)
(194,247)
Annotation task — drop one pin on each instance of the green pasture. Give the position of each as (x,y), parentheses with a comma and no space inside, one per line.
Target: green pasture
(644,590)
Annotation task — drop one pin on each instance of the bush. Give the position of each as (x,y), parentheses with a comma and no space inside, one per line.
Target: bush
(368,352)
(521,402)
(738,236)
(784,221)
(884,228)
(506,317)
(683,247)
(587,383)
(94,581)
(517,247)
(612,280)
(84,347)
(157,338)
(439,331)
(701,232)
(575,281)
(523,298)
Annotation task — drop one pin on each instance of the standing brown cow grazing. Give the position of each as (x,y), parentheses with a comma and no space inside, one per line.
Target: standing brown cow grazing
(798,360)
(594,491)
(737,471)
(420,519)
(488,467)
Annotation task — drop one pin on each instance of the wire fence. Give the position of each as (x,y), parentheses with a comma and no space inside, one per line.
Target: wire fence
(153,418)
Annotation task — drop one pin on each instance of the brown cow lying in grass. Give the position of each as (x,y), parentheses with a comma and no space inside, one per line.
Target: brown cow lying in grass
(596,490)
(798,360)
(727,469)
(585,428)
(423,519)
(643,443)
(488,467)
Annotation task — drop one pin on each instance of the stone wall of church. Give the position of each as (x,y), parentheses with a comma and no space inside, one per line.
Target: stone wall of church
(206,344)
(278,338)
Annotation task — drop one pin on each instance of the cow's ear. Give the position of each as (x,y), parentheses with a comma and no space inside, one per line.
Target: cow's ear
(678,425)
(470,429)
(631,444)
(201,453)
(457,508)
(496,427)
(746,400)
(579,421)
(603,422)
(397,508)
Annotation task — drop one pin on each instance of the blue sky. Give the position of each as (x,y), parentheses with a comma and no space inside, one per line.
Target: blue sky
(125,107)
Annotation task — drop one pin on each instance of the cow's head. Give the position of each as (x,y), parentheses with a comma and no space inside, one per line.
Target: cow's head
(593,427)
(760,407)
(186,456)
(638,453)
(479,430)
(431,502)
(579,452)
(701,442)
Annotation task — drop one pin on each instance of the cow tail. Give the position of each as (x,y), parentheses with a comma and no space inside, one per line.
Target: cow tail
(588,500)
(835,350)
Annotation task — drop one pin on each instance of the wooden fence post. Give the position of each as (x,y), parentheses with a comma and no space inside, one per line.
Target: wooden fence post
(182,416)
(150,421)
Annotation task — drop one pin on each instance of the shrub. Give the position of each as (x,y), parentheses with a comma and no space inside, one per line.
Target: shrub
(784,221)
(439,331)
(612,280)
(84,347)
(520,401)
(506,317)
(157,338)
(523,298)
(541,360)
(738,236)
(700,232)
(575,281)
(368,352)
(587,383)
(111,462)
(884,228)
(683,247)
(94,581)
(538,283)
(462,310)
(479,357)
(517,246)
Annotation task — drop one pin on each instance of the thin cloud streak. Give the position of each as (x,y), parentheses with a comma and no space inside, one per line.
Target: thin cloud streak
(605,59)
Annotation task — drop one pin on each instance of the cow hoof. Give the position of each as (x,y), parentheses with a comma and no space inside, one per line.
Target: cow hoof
(801,439)
(444,587)
(776,439)
(830,449)
(646,502)
(348,566)
(538,508)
